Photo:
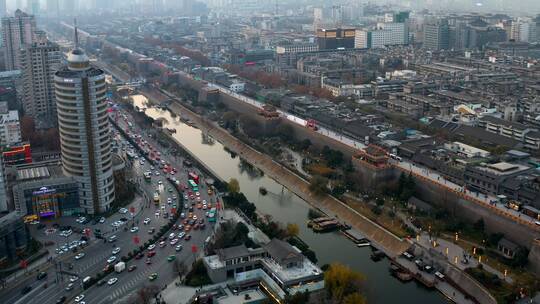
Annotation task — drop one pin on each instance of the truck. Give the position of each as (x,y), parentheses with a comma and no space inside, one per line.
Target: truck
(119,267)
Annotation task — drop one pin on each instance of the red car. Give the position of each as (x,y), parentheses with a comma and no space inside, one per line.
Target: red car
(150,254)
(139,256)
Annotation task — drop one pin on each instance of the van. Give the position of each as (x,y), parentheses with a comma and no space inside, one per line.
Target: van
(112,238)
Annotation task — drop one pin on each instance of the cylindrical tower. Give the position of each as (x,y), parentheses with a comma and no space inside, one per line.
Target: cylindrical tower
(85,131)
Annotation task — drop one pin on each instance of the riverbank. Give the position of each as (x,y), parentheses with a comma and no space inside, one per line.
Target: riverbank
(380,237)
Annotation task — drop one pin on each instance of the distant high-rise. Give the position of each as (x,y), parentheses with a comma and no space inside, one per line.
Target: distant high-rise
(524,30)
(3,8)
(437,34)
(53,8)
(39,63)
(17,32)
(85,131)
(33,7)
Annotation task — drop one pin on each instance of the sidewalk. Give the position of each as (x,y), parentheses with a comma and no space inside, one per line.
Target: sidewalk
(177,294)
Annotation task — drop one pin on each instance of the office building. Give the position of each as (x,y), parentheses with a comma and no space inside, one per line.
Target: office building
(85,131)
(437,34)
(339,38)
(17,32)
(10,128)
(293,48)
(14,238)
(385,34)
(39,62)
(523,30)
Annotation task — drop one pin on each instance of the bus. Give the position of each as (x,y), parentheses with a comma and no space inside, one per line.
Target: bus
(193,185)
(194,177)
(156,198)
(147,176)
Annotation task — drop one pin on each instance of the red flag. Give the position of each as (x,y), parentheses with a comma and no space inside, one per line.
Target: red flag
(132,209)
(194,248)
(136,240)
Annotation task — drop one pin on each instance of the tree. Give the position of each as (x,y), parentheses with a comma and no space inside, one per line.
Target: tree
(147,293)
(292,230)
(341,281)
(298,298)
(318,184)
(380,202)
(285,131)
(354,298)
(479,225)
(233,186)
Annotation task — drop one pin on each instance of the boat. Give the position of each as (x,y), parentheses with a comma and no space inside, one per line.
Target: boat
(363,243)
(377,255)
(263,191)
(171,130)
(326,226)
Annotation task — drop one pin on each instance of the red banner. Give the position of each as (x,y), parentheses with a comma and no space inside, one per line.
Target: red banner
(132,209)
(194,248)
(136,240)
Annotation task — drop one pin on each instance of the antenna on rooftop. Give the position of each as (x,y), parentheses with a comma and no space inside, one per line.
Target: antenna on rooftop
(76,33)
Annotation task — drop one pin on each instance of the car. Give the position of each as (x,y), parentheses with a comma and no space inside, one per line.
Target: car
(199,206)
(139,256)
(111,259)
(202,226)
(408,255)
(26,289)
(160,182)
(73,279)
(186,197)
(439,275)
(151,247)
(187,228)
(101,282)
(148,261)
(537,223)
(182,215)
(61,300)
(153,276)
(162,244)
(190,215)
(69,286)
(173,242)
(181,235)
(174,197)
(116,250)
(170,189)
(79,256)
(150,254)
(112,238)
(41,275)
(194,217)
(79,298)
(112,281)
(171,236)
(171,258)
(132,268)
(147,221)
(151,230)
(169,200)
(134,229)
(209,191)
(157,214)
(101,220)
(187,237)
(197,194)
(204,207)
(123,211)
(196,226)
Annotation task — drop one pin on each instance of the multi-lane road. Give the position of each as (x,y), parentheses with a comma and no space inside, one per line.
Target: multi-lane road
(52,288)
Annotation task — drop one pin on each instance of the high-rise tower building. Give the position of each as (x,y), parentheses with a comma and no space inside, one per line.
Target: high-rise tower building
(85,131)
(17,32)
(437,34)
(3,8)
(39,63)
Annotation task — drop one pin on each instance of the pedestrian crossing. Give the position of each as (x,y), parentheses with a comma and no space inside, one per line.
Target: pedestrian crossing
(127,287)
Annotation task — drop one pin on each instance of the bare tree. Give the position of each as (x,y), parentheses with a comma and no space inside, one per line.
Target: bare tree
(147,293)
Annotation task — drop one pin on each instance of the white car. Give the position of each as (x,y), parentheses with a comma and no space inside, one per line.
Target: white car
(111,281)
(134,229)
(116,250)
(160,182)
(73,279)
(79,298)
(102,220)
(171,236)
(111,259)
(123,210)
(181,234)
(173,242)
(151,246)
(147,221)
(178,248)
(79,256)
(69,286)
